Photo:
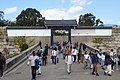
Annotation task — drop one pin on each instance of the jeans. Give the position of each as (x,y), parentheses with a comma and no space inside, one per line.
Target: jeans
(33,69)
(54,60)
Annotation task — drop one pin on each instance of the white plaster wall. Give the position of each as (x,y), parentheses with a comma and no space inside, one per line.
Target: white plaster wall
(29,32)
(91,32)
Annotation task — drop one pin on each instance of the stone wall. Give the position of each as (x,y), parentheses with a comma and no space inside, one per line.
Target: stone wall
(7,48)
(46,40)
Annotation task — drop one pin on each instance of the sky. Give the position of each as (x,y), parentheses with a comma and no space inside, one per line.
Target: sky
(105,10)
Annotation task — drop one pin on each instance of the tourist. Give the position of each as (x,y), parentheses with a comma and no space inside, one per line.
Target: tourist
(54,55)
(74,53)
(67,51)
(99,56)
(112,57)
(39,63)
(69,61)
(86,59)
(40,43)
(2,63)
(46,51)
(95,62)
(79,54)
(44,57)
(103,60)
(91,54)
(31,61)
(108,63)
(116,59)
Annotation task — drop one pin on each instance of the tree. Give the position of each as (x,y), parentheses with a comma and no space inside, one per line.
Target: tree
(99,22)
(1,15)
(1,18)
(30,17)
(89,20)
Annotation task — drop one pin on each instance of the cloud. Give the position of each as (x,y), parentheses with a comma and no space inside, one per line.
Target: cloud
(75,9)
(10,10)
(59,13)
(72,12)
(90,2)
(62,1)
(81,2)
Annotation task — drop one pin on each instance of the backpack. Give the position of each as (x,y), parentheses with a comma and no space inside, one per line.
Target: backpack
(37,63)
(41,52)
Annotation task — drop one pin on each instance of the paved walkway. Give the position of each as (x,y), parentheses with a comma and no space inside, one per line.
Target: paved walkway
(58,72)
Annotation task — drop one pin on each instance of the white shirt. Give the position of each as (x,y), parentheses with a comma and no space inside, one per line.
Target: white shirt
(111,55)
(103,57)
(74,51)
(32,59)
(54,53)
(86,56)
(69,59)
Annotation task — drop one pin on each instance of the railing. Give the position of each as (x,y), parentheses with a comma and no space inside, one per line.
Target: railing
(19,59)
(91,48)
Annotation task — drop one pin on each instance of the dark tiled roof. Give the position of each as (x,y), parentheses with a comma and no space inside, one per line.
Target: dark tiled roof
(60,23)
(25,27)
(94,27)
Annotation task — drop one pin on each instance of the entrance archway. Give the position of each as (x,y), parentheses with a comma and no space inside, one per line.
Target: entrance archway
(60,25)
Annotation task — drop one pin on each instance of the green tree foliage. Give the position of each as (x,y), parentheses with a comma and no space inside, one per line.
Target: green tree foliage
(4,22)
(30,17)
(24,47)
(1,18)
(21,42)
(1,15)
(99,23)
(89,20)
(59,33)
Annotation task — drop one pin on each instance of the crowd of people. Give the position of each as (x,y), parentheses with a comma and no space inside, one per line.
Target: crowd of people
(108,60)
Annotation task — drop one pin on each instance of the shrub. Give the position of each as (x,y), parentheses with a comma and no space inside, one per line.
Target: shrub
(24,47)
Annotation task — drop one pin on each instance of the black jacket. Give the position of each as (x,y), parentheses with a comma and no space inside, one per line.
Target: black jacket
(2,60)
(94,58)
(108,60)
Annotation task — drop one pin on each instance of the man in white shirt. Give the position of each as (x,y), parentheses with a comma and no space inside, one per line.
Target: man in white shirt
(31,61)
(54,55)
(74,53)
(111,55)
